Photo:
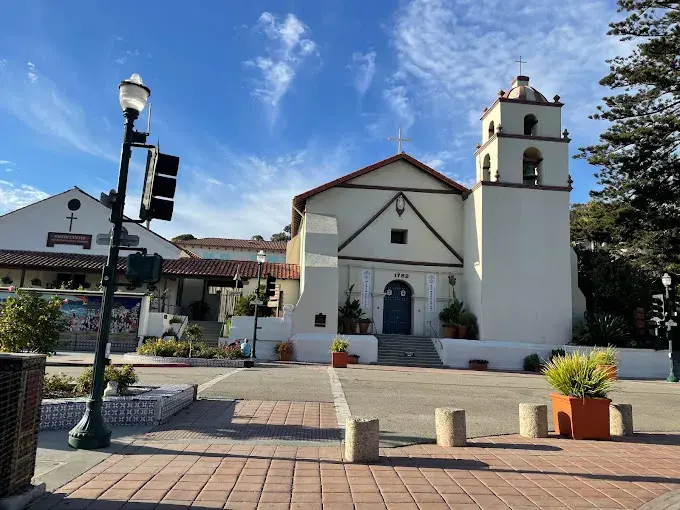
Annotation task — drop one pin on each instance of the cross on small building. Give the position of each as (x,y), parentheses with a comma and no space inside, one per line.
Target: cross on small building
(71,218)
(399,140)
(520,62)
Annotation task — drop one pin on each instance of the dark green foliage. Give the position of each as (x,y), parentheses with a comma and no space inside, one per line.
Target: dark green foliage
(351,309)
(30,323)
(577,375)
(178,349)
(183,237)
(125,376)
(245,307)
(555,353)
(532,363)
(638,157)
(601,329)
(450,314)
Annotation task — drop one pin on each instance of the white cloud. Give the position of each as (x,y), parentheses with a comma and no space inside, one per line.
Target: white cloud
(288,47)
(120,61)
(452,60)
(400,104)
(364,65)
(5,162)
(32,76)
(13,196)
(249,194)
(46,110)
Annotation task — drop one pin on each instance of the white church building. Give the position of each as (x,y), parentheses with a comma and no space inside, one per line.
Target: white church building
(400,234)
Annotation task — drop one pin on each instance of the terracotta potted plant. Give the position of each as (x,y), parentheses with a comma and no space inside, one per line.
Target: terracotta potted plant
(580,404)
(607,361)
(467,324)
(349,313)
(353,359)
(339,352)
(284,349)
(449,318)
(364,323)
(478,364)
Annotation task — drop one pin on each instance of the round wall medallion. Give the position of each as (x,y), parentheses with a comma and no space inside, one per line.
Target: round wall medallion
(73,204)
(389,292)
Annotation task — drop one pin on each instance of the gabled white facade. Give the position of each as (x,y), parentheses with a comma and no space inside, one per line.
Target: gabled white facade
(502,246)
(29,228)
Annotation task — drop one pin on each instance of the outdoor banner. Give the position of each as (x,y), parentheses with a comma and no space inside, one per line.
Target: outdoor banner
(431,293)
(82,311)
(366,275)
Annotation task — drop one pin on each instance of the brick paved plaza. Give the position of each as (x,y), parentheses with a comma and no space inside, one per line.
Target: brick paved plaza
(270,438)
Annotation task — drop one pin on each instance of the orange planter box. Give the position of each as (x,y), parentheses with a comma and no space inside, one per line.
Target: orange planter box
(339,359)
(580,418)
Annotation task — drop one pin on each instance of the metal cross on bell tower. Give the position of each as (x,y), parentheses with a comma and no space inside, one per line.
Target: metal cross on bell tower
(399,140)
(520,62)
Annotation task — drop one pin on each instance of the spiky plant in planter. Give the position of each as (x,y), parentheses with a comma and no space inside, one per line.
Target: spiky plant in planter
(580,406)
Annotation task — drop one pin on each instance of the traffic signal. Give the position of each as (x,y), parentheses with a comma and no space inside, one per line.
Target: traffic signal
(270,288)
(144,268)
(658,308)
(160,184)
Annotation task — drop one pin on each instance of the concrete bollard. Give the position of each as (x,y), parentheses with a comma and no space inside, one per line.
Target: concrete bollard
(362,440)
(450,426)
(621,419)
(533,420)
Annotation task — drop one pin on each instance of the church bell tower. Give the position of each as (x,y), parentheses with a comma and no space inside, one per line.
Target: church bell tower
(517,262)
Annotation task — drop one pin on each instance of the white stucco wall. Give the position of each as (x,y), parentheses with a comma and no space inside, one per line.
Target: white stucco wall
(216,252)
(525,256)
(472,269)
(415,277)
(354,207)
(512,118)
(633,363)
(554,168)
(26,229)
(315,347)
(319,275)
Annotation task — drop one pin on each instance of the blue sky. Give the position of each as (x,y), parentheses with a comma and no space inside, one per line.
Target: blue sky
(263,100)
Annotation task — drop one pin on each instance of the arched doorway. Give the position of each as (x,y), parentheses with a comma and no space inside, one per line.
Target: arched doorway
(397,309)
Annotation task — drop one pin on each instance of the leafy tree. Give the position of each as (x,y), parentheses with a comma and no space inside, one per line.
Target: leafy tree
(30,323)
(183,237)
(245,307)
(281,236)
(194,333)
(638,155)
(257,238)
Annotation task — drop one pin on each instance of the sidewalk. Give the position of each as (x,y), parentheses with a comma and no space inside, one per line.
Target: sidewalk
(504,472)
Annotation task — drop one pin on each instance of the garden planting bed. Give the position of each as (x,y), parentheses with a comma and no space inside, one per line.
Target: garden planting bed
(143,408)
(193,362)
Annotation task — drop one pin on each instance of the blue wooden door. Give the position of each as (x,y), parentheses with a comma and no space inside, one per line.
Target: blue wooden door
(397,309)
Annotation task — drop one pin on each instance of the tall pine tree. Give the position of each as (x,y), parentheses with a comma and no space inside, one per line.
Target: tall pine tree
(638,154)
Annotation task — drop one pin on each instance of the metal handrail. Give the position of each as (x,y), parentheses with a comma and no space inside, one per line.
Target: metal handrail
(435,337)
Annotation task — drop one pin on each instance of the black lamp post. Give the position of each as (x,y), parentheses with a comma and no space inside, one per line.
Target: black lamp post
(91,432)
(670,323)
(261,258)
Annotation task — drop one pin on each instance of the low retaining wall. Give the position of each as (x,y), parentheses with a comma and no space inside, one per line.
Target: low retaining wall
(194,362)
(78,341)
(633,363)
(315,347)
(151,408)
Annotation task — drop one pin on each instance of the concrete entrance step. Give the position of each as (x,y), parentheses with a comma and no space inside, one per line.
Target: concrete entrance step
(393,349)
(211,331)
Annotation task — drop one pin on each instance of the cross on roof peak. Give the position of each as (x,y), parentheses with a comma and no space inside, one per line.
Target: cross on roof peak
(399,140)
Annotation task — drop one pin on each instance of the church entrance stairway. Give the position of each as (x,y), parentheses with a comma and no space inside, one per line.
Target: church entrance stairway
(408,351)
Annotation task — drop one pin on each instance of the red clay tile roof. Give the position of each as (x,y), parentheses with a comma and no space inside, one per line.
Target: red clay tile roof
(300,200)
(221,242)
(185,267)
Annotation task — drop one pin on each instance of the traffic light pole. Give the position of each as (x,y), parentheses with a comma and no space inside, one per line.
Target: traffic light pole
(91,432)
(259,276)
(669,331)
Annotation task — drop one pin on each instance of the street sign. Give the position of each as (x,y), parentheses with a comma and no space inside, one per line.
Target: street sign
(671,324)
(256,302)
(125,238)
